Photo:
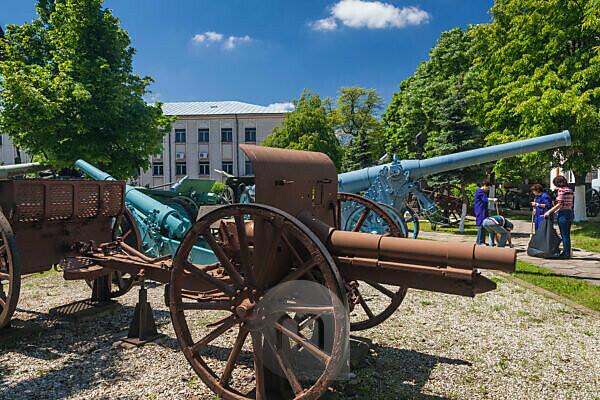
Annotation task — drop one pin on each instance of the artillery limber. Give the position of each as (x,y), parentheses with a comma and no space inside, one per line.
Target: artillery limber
(274,299)
(394,185)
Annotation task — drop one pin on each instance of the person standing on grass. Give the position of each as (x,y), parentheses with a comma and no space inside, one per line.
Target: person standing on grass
(541,204)
(481,209)
(564,209)
(499,228)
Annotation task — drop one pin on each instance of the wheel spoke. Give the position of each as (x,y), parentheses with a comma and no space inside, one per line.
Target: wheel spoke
(308,320)
(244,251)
(364,305)
(382,289)
(2,302)
(301,271)
(361,220)
(304,342)
(126,234)
(4,276)
(209,278)
(220,253)
(292,249)
(259,371)
(310,309)
(338,213)
(233,356)
(204,305)
(286,368)
(225,326)
(265,259)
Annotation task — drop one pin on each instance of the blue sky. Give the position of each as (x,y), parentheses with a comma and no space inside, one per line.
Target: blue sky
(267,51)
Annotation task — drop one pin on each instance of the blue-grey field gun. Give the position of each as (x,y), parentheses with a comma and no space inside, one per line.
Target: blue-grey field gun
(391,184)
(161,227)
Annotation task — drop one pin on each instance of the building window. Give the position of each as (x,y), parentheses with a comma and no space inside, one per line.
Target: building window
(1,140)
(158,169)
(179,135)
(180,169)
(250,134)
(228,167)
(204,168)
(203,135)
(226,135)
(248,168)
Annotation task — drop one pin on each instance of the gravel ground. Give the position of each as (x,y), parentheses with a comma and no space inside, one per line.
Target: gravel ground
(508,344)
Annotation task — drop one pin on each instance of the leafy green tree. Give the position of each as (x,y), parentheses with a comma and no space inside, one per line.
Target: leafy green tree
(537,70)
(309,127)
(430,115)
(355,115)
(68,91)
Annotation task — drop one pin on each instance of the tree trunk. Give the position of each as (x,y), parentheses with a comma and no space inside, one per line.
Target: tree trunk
(580,208)
(463,214)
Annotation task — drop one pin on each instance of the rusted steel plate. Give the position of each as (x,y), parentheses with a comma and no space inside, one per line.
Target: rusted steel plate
(49,216)
(294,181)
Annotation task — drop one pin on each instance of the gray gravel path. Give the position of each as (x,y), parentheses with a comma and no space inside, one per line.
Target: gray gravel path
(509,344)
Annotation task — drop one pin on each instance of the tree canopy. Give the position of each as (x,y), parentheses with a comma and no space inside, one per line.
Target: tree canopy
(309,127)
(68,91)
(430,115)
(355,115)
(536,70)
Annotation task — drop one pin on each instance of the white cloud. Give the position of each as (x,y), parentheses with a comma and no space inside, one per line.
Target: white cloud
(214,36)
(281,107)
(372,15)
(227,42)
(232,41)
(325,24)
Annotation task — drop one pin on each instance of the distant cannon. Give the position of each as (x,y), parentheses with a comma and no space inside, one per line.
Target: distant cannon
(390,185)
(159,226)
(186,195)
(9,171)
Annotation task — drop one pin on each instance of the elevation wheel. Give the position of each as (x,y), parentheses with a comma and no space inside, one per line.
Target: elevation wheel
(10,272)
(223,325)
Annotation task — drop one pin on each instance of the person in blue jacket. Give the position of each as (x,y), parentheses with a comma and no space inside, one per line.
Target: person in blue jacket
(542,203)
(481,209)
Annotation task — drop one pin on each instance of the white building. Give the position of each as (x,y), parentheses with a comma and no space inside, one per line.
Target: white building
(9,154)
(206,137)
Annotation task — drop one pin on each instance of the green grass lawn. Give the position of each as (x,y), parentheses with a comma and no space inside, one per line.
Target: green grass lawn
(470,228)
(573,289)
(586,235)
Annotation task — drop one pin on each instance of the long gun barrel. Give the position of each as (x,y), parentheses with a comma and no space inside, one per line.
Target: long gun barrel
(360,180)
(8,171)
(167,218)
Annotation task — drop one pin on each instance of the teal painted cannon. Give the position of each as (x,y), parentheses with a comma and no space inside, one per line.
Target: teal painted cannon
(391,184)
(161,227)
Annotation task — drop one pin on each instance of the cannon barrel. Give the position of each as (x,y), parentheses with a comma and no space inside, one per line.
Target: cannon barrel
(168,218)
(442,267)
(360,180)
(8,171)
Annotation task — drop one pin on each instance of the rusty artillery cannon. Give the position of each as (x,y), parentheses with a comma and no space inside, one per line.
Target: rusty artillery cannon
(251,306)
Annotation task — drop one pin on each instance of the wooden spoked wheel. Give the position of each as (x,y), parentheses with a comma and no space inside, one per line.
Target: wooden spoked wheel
(220,321)
(364,298)
(10,273)
(126,229)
